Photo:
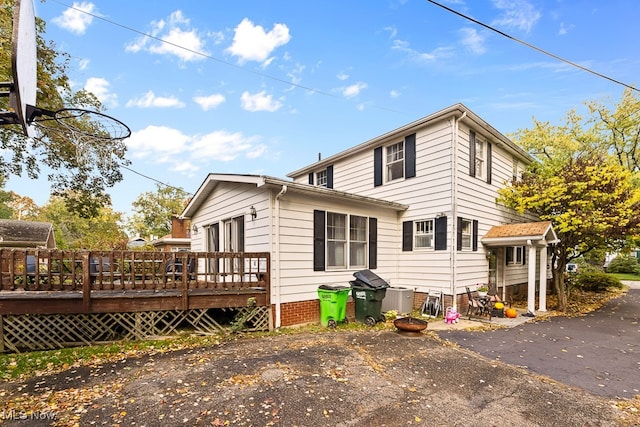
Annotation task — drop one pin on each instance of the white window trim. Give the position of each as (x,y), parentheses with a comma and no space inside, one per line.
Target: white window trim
(481,149)
(321,178)
(517,255)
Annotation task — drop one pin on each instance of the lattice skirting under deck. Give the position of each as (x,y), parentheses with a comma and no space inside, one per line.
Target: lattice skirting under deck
(28,332)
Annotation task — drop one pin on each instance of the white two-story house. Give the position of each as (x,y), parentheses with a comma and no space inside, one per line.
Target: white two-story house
(417,206)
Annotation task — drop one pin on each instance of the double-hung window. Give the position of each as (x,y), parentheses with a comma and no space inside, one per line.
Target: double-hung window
(336,240)
(423,234)
(321,178)
(480,162)
(467,232)
(357,241)
(395,161)
(346,247)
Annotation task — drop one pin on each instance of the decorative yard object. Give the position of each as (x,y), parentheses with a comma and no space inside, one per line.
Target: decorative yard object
(451,316)
(499,305)
(511,313)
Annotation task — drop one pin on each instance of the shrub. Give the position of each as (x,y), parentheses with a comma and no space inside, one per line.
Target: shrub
(624,264)
(596,281)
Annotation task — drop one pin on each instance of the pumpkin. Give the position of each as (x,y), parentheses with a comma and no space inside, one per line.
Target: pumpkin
(511,312)
(499,305)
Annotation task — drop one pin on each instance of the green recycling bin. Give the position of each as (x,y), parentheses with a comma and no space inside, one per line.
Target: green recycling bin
(333,304)
(368,303)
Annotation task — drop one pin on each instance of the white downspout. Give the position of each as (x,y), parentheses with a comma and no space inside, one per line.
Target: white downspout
(454,206)
(277,264)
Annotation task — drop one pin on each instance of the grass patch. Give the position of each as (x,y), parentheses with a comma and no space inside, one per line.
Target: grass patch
(626,276)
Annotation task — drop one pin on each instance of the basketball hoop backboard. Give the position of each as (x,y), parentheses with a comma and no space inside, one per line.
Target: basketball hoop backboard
(24,63)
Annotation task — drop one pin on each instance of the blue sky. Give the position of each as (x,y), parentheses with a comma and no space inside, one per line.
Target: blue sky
(262,87)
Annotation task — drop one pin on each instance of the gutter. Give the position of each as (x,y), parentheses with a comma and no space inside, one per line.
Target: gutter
(276,289)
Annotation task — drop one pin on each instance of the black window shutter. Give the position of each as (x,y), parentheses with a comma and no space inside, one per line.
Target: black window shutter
(318,240)
(441,234)
(407,236)
(410,156)
(508,258)
(524,255)
(472,153)
(240,231)
(377,167)
(459,235)
(474,244)
(310,178)
(489,158)
(330,176)
(373,243)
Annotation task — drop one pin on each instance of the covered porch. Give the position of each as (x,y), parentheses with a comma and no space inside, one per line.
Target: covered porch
(522,244)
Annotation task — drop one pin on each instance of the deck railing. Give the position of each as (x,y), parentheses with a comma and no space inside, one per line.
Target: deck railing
(27,273)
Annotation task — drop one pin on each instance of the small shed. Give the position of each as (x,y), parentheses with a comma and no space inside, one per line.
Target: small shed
(26,234)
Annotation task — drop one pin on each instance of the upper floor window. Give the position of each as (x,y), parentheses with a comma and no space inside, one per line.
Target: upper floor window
(395,161)
(480,161)
(321,178)
(518,169)
(424,234)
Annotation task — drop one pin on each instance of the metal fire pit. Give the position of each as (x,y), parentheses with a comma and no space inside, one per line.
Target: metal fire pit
(410,325)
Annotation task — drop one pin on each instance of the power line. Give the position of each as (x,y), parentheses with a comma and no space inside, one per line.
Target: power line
(154,179)
(573,64)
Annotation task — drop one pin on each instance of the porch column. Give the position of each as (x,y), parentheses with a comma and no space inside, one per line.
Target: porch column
(531,284)
(542,304)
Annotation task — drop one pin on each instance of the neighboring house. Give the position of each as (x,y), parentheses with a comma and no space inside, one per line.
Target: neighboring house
(178,240)
(26,234)
(416,205)
(136,242)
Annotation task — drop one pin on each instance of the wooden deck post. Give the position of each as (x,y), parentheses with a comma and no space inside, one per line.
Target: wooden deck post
(86,283)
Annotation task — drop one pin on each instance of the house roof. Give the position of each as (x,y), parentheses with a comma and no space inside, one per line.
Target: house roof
(213,180)
(520,234)
(30,234)
(457,110)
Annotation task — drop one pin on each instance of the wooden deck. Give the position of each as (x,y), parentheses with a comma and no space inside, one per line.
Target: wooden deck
(53,281)
(118,288)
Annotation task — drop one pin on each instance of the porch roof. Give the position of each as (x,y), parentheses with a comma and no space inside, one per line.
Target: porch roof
(540,233)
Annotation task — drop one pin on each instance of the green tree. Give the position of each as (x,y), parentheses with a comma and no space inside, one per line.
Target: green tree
(591,200)
(152,211)
(6,197)
(72,231)
(82,184)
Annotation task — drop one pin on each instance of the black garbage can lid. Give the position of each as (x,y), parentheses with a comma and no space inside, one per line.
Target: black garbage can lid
(370,279)
(332,287)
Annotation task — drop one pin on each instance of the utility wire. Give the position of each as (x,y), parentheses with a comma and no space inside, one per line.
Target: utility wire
(573,64)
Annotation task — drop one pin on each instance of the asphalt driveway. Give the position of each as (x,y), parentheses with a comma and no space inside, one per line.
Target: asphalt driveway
(598,352)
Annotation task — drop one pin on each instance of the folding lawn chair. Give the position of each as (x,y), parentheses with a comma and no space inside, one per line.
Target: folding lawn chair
(432,305)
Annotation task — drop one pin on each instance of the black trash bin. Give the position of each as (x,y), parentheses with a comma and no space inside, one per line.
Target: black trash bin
(368,291)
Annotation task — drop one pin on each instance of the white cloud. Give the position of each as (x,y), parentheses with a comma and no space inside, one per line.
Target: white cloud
(259,102)
(76,19)
(100,88)
(342,76)
(210,101)
(171,37)
(414,55)
(252,43)
(354,90)
(223,146)
(394,94)
(149,100)
(518,14)
(472,40)
(157,142)
(181,152)
(564,29)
